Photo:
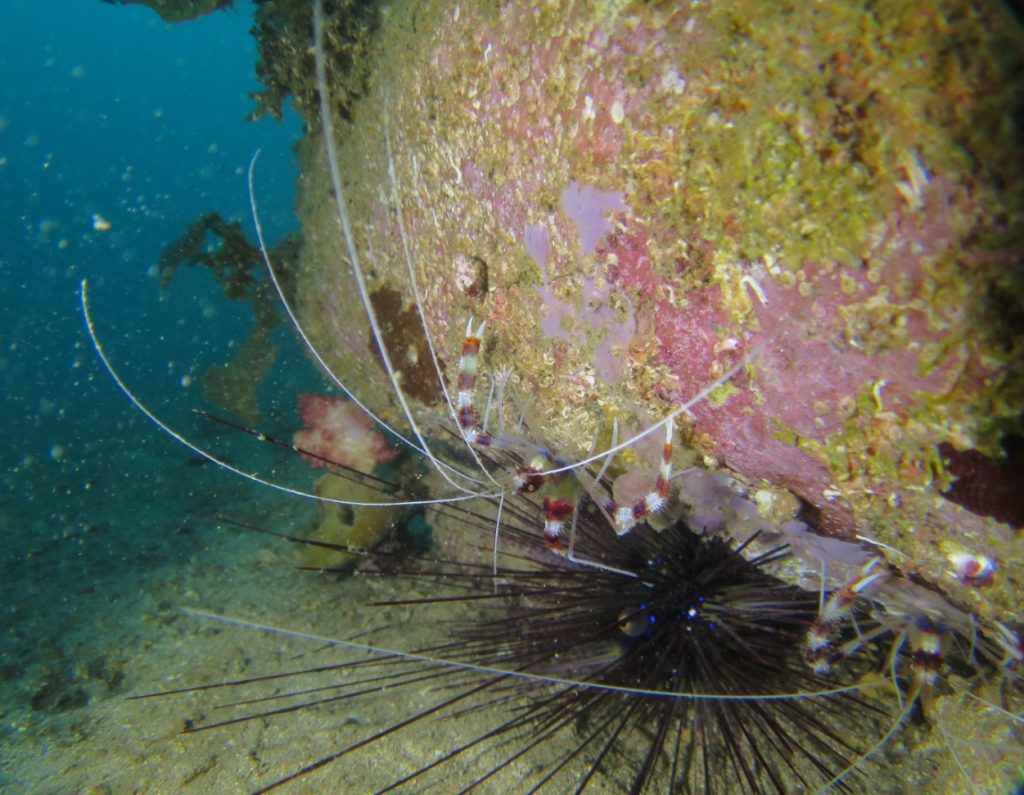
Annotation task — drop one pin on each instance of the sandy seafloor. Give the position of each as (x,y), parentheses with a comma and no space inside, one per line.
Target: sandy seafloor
(116,131)
(92,628)
(110,529)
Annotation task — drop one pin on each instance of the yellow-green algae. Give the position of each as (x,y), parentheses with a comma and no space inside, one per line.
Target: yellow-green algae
(798,130)
(782,136)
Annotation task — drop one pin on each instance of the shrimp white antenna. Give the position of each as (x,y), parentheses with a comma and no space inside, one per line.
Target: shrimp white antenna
(996,708)
(501,377)
(137,402)
(610,454)
(393,176)
(490,402)
(302,332)
(885,738)
(518,674)
(350,243)
(497,531)
(670,417)
(956,757)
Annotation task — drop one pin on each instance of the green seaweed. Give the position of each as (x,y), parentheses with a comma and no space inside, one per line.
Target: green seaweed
(285,66)
(179,10)
(221,247)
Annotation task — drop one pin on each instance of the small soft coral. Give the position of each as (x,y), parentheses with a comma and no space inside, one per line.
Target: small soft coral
(352,514)
(337,431)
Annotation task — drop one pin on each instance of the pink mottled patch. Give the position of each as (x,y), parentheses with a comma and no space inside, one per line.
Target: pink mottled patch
(806,349)
(339,431)
(632,268)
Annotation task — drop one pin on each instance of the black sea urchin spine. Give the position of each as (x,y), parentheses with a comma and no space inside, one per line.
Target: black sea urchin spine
(676,667)
(701,636)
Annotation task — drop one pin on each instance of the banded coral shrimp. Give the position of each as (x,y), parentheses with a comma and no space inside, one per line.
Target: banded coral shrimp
(500,655)
(704,736)
(639,621)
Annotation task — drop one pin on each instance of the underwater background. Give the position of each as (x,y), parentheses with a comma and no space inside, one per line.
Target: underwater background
(117,130)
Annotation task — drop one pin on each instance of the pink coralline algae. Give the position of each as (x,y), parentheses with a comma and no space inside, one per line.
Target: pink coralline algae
(339,432)
(662,193)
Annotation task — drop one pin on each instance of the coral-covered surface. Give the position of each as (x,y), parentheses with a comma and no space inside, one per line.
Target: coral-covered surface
(829,195)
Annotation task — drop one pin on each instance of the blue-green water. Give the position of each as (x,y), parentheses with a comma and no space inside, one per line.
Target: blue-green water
(109,116)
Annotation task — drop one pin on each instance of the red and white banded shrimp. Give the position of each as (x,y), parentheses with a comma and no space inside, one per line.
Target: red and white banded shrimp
(647,658)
